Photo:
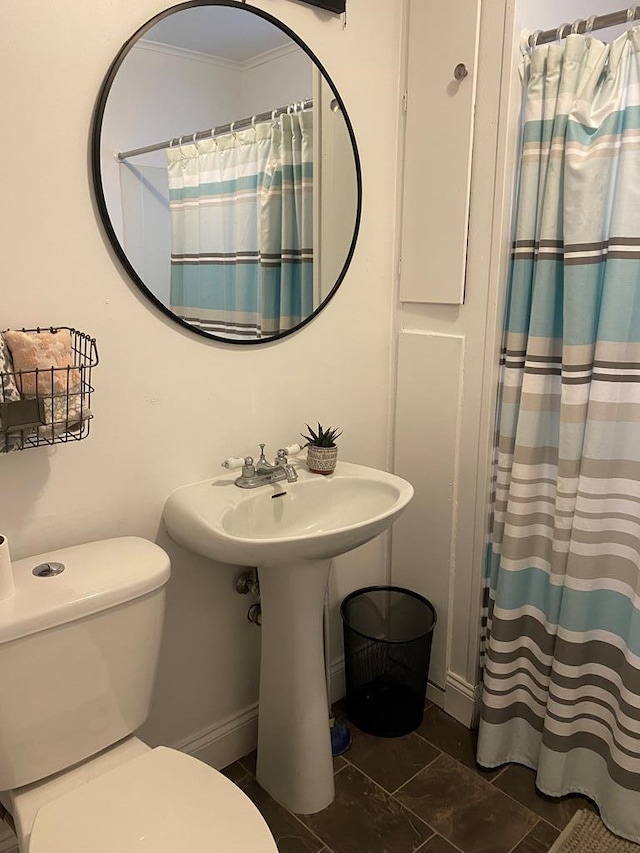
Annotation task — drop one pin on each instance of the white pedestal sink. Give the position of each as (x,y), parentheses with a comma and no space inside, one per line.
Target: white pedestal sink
(290,532)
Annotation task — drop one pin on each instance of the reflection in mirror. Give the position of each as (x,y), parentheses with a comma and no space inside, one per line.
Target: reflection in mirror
(226,172)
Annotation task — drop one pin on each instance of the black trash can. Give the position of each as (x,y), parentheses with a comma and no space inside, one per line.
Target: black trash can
(387,647)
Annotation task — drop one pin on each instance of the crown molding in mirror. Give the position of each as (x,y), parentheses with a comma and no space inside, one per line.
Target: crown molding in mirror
(101,153)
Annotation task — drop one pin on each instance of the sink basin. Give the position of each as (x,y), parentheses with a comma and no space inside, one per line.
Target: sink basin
(290,532)
(317,517)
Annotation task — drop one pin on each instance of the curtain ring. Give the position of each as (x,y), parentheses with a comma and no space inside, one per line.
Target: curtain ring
(589,24)
(560,31)
(273,118)
(631,14)
(183,156)
(533,40)
(575,26)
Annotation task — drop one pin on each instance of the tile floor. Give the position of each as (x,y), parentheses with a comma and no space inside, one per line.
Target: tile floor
(422,792)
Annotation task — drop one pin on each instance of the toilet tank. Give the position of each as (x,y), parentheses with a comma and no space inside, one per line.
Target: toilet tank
(78,654)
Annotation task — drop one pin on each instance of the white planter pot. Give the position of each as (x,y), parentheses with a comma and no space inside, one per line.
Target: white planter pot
(321,460)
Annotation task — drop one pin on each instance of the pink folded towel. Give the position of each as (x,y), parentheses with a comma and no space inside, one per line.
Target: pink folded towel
(42,351)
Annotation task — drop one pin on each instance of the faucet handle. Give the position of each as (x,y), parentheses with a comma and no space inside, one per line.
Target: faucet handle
(262,457)
(292,449)
(233,462)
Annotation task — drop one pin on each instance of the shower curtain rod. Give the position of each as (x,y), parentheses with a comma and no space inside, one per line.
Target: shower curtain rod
(598,22)
(241,124)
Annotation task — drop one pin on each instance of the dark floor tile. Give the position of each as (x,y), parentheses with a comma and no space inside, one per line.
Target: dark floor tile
(390,761)
(539,840)
(249,761)
(519,783)
(450,736)
(438,845)
(464,808)
(290,835)
(363,818)
(236,772)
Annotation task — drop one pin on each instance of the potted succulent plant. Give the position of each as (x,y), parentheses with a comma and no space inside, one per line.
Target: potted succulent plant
(322,452)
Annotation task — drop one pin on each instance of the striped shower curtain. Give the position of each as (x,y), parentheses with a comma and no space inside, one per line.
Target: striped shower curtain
(562,653)
(241,210)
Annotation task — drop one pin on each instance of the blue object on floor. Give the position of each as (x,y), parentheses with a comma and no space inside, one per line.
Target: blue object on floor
(340,736)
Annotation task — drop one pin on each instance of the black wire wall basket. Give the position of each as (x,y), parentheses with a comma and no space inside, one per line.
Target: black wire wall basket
(48,405)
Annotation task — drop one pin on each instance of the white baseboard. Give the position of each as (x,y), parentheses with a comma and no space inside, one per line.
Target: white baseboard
(435,694)
(462,700)
(226,742)
(237,736)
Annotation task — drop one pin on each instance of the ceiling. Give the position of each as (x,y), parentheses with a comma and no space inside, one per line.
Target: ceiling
(230,33)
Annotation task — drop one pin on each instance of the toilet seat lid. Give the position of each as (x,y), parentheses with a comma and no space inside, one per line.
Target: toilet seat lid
(161,802)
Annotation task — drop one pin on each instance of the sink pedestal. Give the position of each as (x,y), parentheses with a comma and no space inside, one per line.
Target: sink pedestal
(295,765)
(291,540)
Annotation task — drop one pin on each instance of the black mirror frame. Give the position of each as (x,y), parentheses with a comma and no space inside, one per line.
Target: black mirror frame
(96,170)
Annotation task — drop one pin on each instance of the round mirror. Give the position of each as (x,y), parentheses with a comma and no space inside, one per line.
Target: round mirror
(226,171)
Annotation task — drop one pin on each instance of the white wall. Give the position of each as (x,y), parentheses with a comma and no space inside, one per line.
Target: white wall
(275,81)
(535,15)
(170,405)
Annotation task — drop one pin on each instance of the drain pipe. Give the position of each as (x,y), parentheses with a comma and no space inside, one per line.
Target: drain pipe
(254,614)
(246,583)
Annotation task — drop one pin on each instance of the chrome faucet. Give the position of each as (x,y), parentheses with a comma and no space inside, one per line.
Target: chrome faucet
(262,472)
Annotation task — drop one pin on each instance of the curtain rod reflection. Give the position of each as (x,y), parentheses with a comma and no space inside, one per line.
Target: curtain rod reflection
(241,124)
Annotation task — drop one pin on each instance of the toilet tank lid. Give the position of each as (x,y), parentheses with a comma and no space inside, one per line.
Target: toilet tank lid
(97,576)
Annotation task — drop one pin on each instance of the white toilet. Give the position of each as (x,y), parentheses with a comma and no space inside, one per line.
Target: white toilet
(78,655)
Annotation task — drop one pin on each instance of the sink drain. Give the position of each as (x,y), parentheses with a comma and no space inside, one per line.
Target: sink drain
(48,570)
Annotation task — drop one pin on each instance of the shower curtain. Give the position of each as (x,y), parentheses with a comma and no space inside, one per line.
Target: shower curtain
(562,652)
(241,210)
